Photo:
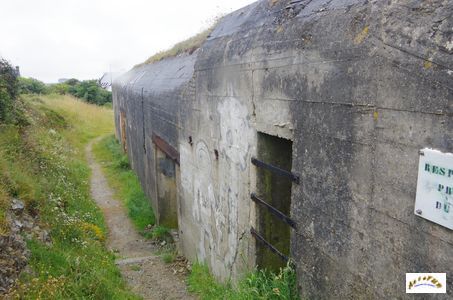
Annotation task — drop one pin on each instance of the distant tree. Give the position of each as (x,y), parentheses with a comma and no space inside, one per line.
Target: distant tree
(32,86)
(72,82)
(8,90)
(91,92)
(88,90)
(59,88)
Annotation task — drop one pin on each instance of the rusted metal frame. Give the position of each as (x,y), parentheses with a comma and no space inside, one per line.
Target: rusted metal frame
(261,239)
(274,211)
(275,170)
(143,123)
(165,147)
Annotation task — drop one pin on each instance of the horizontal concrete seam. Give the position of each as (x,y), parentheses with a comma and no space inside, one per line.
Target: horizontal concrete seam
(384,246)
(411,54)
(169,122)
(342,267)
(372,106)
(249,68)
(350,104)
(384,214)
(368,142)
(410,72)
(163,114)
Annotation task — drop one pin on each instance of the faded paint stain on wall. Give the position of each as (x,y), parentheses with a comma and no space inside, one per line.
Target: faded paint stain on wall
(216,198)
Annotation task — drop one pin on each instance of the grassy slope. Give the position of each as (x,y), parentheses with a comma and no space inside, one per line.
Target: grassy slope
(87,121)
(124,181)
(44,165)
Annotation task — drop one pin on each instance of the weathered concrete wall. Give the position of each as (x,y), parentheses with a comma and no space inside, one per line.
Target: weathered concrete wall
(150,97)
(358,86)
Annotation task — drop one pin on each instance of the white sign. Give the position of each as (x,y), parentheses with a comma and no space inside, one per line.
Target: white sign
(434,200)
(426,283)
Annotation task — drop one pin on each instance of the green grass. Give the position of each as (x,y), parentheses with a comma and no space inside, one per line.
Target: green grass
(86,121)
(127,188)
(43,164)
(124,182)
(186,46)
(135,268)
(257,285)
(160,233)
(169,257)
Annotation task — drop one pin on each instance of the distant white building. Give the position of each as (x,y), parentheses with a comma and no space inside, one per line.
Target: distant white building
(106,80)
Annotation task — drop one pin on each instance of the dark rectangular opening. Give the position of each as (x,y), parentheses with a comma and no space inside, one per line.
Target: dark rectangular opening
(275,190)
(167,159)
(123,130)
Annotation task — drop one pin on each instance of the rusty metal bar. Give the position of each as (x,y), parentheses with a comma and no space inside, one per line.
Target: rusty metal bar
(275,170)
(165,147)
(143,123)
(274,211)
(267,244)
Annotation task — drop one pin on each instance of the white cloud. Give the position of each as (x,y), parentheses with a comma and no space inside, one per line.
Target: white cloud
(51,39)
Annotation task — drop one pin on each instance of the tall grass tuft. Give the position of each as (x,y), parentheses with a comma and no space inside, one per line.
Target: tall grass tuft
(259,284)
(186,46)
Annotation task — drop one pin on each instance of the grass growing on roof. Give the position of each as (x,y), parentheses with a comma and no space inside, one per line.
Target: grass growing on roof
(43,164)
(124,182)
(187,46)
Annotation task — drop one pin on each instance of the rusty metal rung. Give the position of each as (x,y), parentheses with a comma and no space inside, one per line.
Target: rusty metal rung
(276,170)
(274,211)
(165,147)
(268,245)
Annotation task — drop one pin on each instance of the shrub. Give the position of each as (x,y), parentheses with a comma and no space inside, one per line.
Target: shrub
(8,90)
(59,88)
(32,86)
(90,91)
(87,90)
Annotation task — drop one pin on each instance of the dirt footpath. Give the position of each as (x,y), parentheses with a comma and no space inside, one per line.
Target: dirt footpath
(145,273)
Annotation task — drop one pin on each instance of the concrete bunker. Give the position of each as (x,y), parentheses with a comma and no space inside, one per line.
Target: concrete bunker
(355,86)
(273,199)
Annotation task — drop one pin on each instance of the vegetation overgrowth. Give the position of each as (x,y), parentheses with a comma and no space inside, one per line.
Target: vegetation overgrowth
(43,164)
(8,93)
(187,46)
(259,284)
(127,188)
(87,90)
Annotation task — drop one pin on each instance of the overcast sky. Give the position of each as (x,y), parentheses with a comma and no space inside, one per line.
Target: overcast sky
(52,39)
